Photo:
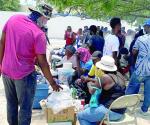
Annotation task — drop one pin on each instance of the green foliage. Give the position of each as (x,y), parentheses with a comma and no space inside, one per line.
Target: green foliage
(9,5)
(129,10)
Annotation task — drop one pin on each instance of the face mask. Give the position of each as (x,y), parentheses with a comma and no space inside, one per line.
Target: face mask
(41,22)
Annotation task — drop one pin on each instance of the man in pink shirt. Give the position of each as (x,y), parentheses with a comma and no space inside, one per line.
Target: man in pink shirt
(22,42)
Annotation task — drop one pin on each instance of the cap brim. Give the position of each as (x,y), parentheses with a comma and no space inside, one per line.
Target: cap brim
(31,9)
(94,58)
(146,24)
(105,68)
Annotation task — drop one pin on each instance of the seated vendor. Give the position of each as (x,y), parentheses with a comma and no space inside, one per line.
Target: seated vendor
(107,65)
(94,71)
(70,56)
(85,60)
(110,92)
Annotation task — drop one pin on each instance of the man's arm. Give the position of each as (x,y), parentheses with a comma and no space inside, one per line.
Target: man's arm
(134,52)
(87,79)
(115,49)
(2,48)
(114,55)
(136,46)
(46,71)
(65,36)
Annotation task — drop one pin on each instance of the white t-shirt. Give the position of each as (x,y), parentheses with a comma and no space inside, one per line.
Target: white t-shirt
(111,45)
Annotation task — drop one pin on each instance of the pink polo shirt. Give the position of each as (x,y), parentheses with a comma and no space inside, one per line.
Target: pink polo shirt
(24,40)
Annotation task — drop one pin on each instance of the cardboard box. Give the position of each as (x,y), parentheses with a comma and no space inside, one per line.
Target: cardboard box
(63,116)
(66,115)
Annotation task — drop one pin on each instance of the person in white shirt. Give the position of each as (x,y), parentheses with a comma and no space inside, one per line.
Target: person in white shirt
(111,47)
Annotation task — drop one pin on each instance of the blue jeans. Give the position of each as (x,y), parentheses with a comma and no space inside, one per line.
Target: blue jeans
(131,70)
(20,93)
(90,116)
(134,87)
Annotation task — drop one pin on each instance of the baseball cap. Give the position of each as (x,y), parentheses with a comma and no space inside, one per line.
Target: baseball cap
(147,22)
(96,54)
(71,49)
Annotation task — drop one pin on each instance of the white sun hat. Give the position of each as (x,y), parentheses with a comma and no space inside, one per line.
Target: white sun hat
(107,63)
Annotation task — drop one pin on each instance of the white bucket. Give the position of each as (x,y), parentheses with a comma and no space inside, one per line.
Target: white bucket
(64,74)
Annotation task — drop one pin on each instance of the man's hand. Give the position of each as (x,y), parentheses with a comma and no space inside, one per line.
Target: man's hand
(134,52)
(83,79)
(46,71)
(91,90)
(56,87)
(78,81)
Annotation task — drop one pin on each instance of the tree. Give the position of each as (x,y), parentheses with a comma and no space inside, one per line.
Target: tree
(129,10)
(9,5)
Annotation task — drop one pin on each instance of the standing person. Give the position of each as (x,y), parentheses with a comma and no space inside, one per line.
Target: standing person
(69,36)
(123,30)
(111,47)
(100,31)
(96,42)
(79,38)
(86,34)
(129,38)
(133,57)
(22,43)
(142,69)
(122,40)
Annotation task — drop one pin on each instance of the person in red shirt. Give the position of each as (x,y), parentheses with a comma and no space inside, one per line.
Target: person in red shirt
(69,36)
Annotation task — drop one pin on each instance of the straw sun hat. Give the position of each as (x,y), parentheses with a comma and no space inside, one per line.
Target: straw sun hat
(107,63)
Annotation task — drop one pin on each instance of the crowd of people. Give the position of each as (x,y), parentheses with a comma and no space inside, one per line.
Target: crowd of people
(106,55)
(99,57)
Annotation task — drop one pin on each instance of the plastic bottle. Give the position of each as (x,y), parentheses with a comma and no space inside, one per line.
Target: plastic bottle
(74,93)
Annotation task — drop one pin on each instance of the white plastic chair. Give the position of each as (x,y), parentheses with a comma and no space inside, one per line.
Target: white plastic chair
(129,102)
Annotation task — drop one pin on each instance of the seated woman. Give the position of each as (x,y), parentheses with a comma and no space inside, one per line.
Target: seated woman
(85,60)
(107,65)
(110,92)
(70,56)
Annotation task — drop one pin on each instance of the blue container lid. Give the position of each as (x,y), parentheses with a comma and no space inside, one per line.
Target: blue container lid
(42,86)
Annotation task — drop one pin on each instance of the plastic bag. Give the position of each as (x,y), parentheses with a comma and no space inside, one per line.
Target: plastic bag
(58,101)
(94,101)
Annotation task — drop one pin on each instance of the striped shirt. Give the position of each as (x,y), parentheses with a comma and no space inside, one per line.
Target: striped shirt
(143,60)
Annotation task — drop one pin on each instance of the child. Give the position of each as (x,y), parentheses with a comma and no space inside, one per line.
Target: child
(124,61)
